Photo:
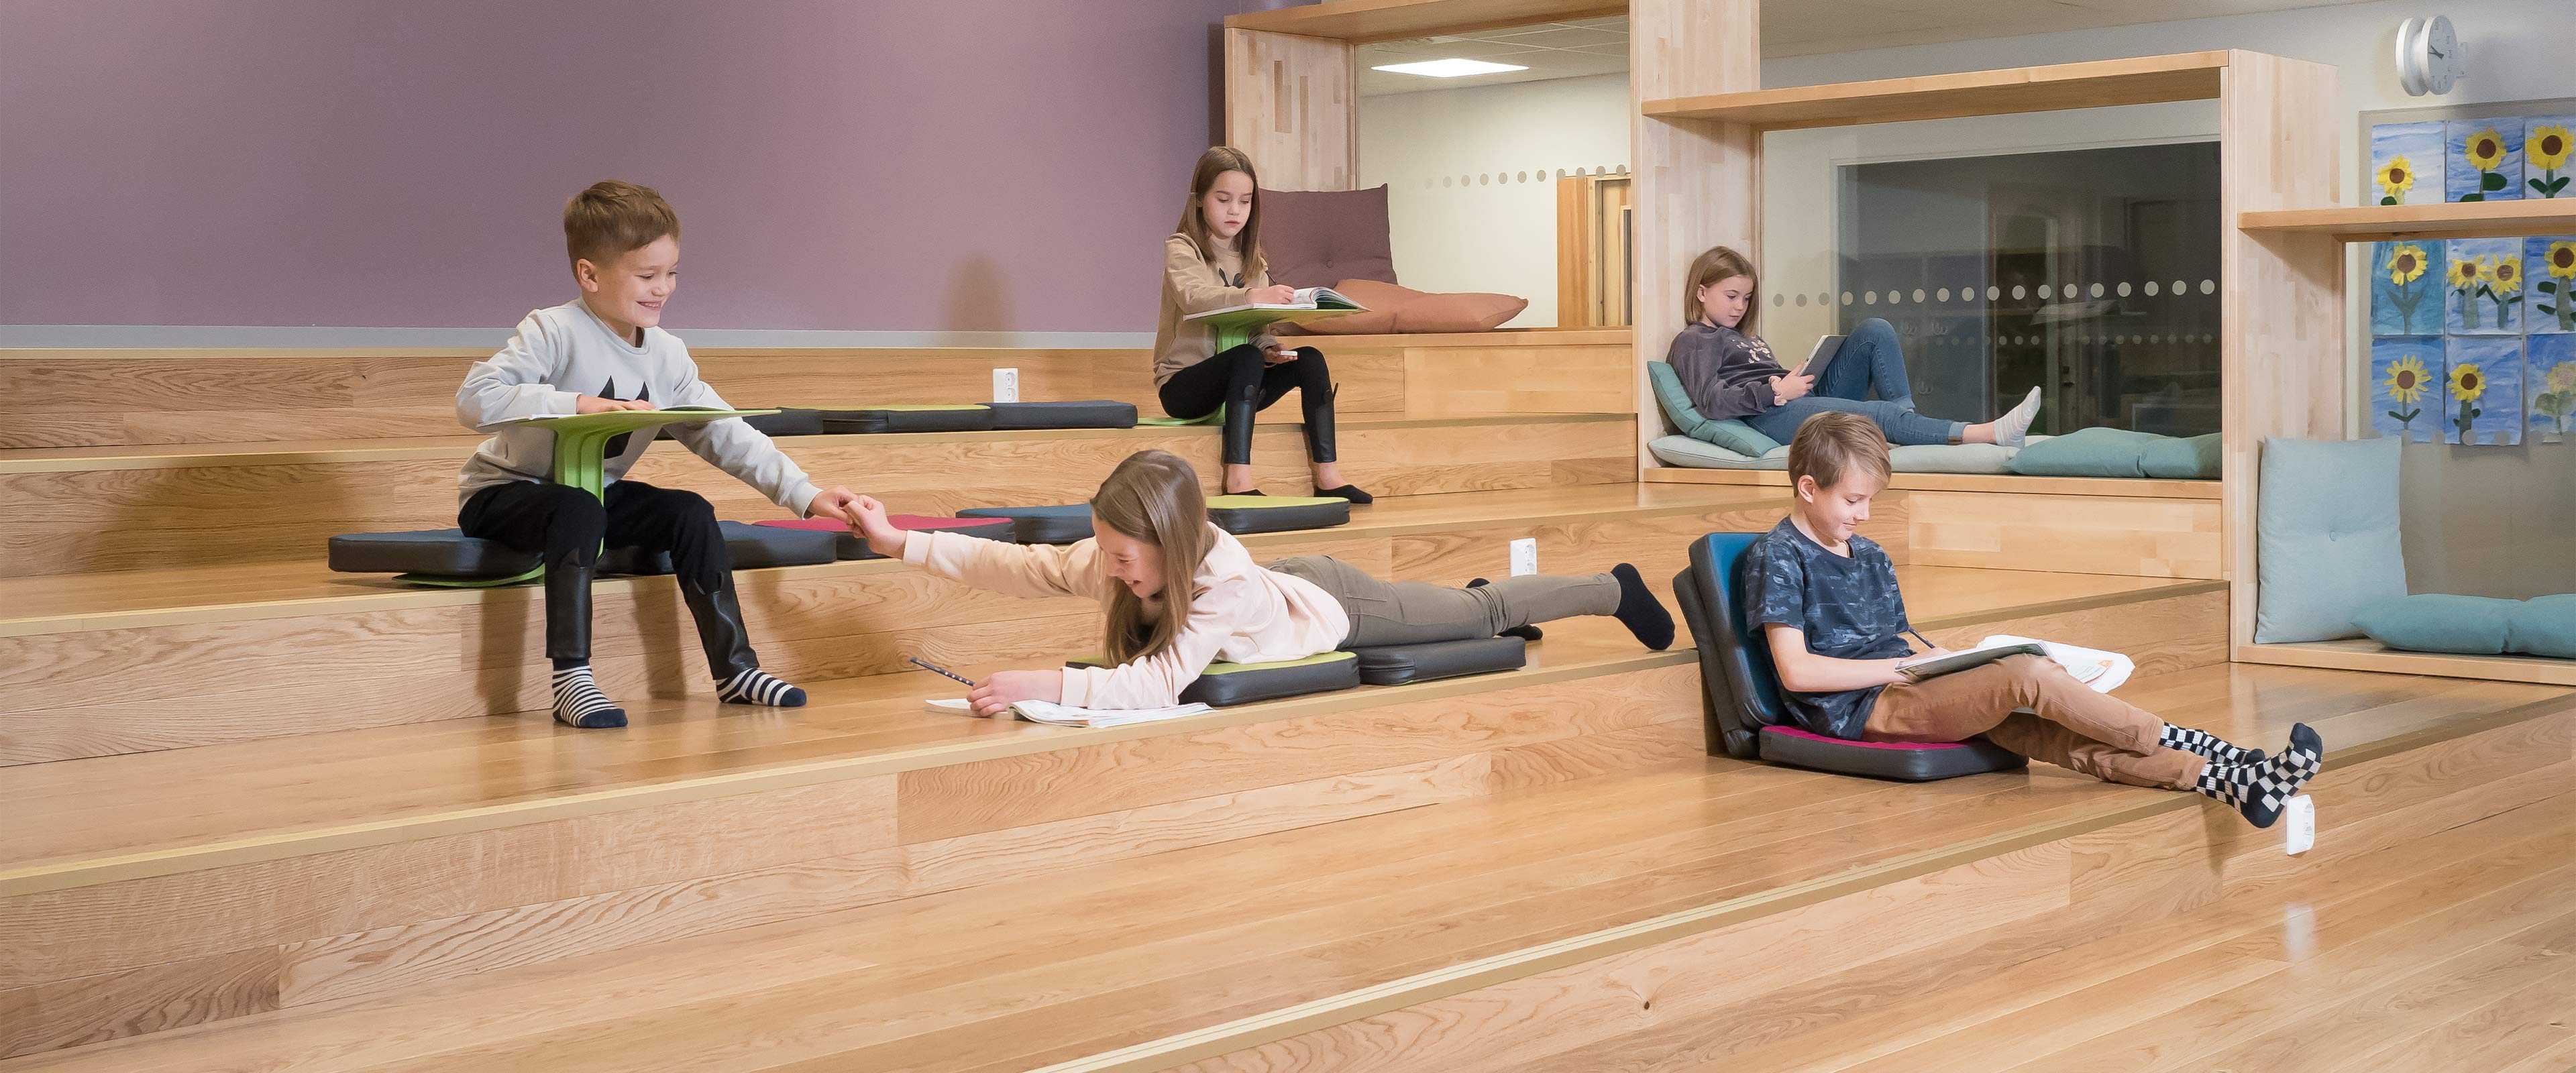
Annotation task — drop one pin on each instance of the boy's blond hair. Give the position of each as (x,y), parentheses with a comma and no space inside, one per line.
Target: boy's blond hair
(1833,444)
(611,218)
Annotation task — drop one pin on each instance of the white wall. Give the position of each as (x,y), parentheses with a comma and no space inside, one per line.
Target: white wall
(1471,179)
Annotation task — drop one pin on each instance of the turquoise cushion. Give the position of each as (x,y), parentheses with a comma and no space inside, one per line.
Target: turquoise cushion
(2190,458)
(2433,622)
(1699,454)
(2545,626)
(1731,434)
(2115,452)
(2326,537)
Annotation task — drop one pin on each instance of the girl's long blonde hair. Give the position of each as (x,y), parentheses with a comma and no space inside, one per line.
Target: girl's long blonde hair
(1154,497)
(1716,264)
(1218,160)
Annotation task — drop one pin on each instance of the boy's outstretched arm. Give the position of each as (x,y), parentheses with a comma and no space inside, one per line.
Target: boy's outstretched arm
(1803,671)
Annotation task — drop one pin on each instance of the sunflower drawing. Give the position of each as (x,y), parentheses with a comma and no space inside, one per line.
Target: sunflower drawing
(2395,178)
(2559,260)
(2468,277)
(2406,384)
(2548,148)
(2406,265)
(2559,400)
(2500,280)
(2485,150)
(2467,383)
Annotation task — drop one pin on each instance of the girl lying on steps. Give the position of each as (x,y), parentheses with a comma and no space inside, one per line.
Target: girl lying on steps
(1180,593)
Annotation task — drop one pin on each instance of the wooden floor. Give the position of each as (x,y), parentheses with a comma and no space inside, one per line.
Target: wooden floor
(2396,950)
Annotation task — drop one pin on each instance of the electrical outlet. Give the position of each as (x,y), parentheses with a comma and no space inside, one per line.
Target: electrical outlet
(1006,385)
(2302,815)
(1524,556)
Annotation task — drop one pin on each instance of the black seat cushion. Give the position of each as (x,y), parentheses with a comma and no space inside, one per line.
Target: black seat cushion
(1243,515)
(964,418)
(439,552)
(788,422)
(1224,685)
(850,546)
(1740,691)
(1042,525)
(1395,665)
(752,547)
(1095,413)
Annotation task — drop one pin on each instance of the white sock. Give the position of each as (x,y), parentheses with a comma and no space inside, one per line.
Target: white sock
(2014,426)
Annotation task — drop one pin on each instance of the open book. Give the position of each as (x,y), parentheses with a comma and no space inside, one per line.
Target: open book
(1307,298)
(1065,715)
(2103,671)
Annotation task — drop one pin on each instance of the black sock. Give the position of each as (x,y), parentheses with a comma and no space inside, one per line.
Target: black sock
(2217,749)
(1348,491)
(579,703)
(2261,791)
(1524,632)
(756,686)
(1640,611)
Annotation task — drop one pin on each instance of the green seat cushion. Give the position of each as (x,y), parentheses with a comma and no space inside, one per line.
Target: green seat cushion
(2433,622)
(2326,537)
(1729,433)
(2112,452)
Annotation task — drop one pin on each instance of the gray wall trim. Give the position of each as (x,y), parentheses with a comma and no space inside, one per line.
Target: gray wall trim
(181,335)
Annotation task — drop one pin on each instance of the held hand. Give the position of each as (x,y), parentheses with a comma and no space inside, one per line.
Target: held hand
(868,517)
(1273,295)
(593,404)
(1791,386)
(836,503)
(1005,688)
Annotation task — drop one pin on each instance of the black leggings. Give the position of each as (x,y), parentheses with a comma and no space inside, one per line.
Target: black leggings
(1245,385)
(567,526)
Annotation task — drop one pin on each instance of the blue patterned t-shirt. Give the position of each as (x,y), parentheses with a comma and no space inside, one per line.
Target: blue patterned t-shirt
(1848,608)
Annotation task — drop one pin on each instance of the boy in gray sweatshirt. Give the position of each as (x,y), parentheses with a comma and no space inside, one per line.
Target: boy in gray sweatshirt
(605,351)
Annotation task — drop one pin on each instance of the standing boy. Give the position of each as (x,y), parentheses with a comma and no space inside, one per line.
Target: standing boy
(1826,601)
(605,351)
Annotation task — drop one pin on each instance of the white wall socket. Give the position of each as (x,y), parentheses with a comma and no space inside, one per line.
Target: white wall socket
(2302,815)
(1524,556)
(1006,385)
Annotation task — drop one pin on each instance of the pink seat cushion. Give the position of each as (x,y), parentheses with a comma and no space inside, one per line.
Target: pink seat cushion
(1794,732)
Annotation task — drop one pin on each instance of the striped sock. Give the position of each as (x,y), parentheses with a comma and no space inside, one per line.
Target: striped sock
(2260,791)
(756,686)
(579,703)
(2218,750)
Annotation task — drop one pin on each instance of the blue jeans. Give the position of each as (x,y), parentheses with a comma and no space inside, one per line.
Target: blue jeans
(1871,361)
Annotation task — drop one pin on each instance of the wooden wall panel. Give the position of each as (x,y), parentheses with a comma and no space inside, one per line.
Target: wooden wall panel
(1293,103)
(2068,534)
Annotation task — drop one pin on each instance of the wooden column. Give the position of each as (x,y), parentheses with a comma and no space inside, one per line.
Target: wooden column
(2281,355)
(1293,103)
(1697,182)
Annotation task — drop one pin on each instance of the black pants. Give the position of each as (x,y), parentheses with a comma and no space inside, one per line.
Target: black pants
(567,526)
(1247,385)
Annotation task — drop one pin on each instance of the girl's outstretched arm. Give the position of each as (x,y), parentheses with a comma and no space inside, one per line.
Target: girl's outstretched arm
(1009,569)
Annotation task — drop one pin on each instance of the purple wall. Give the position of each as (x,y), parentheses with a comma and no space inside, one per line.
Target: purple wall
(888,165)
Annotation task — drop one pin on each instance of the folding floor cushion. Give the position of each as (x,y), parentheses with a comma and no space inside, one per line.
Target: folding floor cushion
(1740,692)
(1041,525)
(752,547)
(1395,665)
(788,422)
(963,418)
(1094,413)
(1227,684)
(849,545)
(1277,514)
(438,552)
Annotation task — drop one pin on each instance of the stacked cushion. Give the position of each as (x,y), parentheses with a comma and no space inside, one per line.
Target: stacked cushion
(1225,684)
(2473,625)
(849,545)
(1241,515)
(1095,413)
(437,552)
(2327,542)
(1042,525)
(2112,452)
(1395,665)
(950,418)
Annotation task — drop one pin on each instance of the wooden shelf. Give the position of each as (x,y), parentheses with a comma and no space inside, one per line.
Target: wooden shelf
(2373,223)
(1393,20)
(2188,76)
(2363,654)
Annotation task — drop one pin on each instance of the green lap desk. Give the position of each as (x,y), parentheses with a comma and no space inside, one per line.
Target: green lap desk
(1242,515)
(581,452)
(1224,685)
(973,417)
(1235,327)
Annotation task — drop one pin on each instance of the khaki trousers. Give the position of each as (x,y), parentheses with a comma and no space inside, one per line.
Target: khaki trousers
(2075,727)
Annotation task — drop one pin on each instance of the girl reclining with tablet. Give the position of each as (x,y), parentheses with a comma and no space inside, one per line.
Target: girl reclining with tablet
(1179,593)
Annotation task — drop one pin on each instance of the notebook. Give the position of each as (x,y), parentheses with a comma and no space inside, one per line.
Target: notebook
(1307,298)
(1066,715)
(2103,671)
(1822,356)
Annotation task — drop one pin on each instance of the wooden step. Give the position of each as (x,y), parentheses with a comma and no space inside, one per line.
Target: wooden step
(1316,940)
(99,664)
(83,510)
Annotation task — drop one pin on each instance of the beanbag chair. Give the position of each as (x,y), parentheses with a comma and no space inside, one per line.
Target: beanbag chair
(752,547)
(2327,542)
(1395,665)
(1277,514)
(438,552)
(788,422)
(1041,525)
(1097,413)
(964,418)
(1223,685)
(850,546)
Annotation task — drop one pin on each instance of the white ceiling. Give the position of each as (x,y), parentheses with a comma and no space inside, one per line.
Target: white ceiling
(1789,28)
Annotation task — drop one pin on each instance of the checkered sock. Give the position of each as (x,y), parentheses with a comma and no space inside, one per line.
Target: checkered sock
(579,703)
(2260,791)
(756,686)
(2217,749)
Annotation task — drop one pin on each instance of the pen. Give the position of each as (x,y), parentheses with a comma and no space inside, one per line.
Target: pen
(937,669)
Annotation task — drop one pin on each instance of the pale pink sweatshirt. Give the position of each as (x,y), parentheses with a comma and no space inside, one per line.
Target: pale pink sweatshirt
(1239,612)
